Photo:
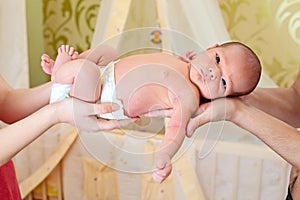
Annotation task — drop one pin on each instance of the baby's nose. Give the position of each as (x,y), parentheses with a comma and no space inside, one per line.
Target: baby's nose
(213,73)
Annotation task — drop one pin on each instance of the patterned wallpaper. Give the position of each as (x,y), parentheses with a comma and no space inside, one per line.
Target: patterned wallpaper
(270,27)
(69,22)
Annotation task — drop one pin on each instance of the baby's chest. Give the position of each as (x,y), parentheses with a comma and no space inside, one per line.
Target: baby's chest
(145,99)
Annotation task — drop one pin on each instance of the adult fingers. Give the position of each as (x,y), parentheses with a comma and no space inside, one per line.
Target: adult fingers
(159,113)
(193,124)
(198,120)
(113,124)
(208,112)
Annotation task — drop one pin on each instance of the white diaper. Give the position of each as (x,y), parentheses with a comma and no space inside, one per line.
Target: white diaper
(108,94)
(59,92)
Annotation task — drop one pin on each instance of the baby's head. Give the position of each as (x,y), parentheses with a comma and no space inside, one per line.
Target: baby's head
(230,69)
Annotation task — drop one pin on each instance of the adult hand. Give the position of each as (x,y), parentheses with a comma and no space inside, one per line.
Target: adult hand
(83,115)
(217,110)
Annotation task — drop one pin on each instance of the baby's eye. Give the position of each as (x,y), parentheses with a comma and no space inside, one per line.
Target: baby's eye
(224,83)
(218,59)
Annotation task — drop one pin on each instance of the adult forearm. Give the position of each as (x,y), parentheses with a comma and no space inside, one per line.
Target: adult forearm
(278,135)
(22,102)
(16,136)
(281,103)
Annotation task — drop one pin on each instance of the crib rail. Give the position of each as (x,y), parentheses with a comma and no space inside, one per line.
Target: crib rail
(52,162)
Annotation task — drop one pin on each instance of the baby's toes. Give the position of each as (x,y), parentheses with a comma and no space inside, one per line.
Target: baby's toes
(62,49)
(75,55)
(46,67)
(67,48)
(71,51)
(45,58)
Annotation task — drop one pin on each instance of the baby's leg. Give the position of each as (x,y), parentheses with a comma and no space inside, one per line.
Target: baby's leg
(63,57)
(84,76)
(87,83)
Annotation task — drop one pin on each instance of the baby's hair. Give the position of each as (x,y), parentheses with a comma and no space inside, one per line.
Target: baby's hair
(253,64)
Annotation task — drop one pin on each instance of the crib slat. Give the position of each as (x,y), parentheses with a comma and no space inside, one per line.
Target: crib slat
(213,175)
(38,176)
(44,190)
(236,178)
(188,179)
(259,184)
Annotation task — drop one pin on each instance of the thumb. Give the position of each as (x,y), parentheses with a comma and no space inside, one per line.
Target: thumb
(192,126)
(105,108)
(196,122)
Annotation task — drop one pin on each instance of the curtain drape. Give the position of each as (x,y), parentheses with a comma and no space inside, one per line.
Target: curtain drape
(13,43)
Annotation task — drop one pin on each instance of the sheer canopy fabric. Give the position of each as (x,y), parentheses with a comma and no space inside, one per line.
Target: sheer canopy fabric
(13,43)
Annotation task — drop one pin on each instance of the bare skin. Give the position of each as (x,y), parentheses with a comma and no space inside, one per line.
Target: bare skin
(15,111)
(71,69)
(48,64)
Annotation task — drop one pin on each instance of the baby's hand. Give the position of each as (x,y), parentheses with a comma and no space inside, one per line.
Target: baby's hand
(163,168)
(188,56)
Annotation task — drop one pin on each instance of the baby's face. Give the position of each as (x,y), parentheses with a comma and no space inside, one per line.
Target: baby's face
(218,72)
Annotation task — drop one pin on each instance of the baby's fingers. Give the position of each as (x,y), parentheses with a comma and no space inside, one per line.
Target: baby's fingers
(157,177)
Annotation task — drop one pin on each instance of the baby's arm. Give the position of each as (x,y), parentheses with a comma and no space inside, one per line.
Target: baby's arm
(172,141)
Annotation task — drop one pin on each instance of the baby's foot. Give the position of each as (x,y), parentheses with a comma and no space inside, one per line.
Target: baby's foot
(47,64)
(65,54)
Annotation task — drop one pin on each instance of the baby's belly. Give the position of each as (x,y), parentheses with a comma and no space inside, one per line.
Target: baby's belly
(145,100)
(138,108)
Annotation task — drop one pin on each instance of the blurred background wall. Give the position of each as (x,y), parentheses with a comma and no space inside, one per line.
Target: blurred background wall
(271,28)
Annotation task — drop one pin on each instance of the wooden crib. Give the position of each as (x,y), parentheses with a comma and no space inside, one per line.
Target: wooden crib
(230,170)
(53,179)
